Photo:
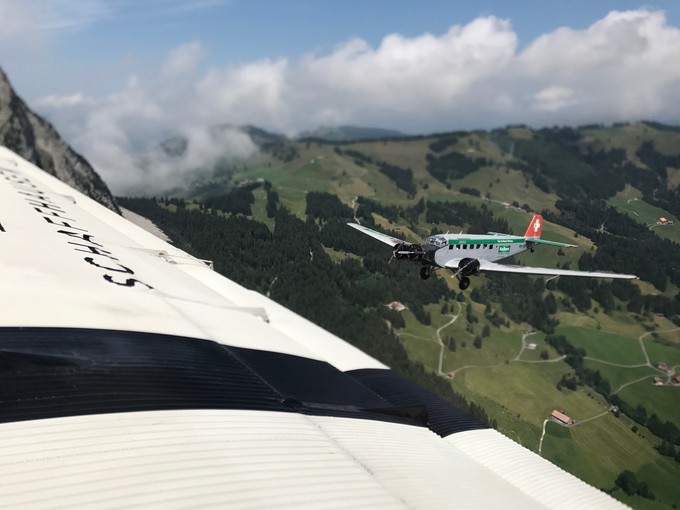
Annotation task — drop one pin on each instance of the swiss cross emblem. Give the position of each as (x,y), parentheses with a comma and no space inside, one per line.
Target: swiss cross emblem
(537,225)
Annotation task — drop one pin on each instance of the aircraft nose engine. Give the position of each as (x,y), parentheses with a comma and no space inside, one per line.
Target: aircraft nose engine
(408,251)
(468,266)
(429,251)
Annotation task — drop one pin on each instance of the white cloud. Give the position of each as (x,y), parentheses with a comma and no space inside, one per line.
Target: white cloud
(15,17)
(71,14)
(68,101)
(32,15)
(19,16)
(121,135)
(196,5)
(183,60)
(623,67)
(418,77)
(554,98)
(255,93)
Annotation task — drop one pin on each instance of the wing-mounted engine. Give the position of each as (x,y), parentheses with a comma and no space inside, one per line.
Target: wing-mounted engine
(409,251)
(468,267)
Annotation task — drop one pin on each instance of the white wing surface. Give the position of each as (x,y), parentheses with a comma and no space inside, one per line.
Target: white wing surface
(492,267)
(135,376)
(392,241)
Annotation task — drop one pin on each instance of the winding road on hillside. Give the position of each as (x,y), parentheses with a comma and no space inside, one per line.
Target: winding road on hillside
(575,424)
(516,359)
(454,317)
(540,442)
(586,420)
(439,336)
(525,335)
(648,363)
(354,209)
(523,347)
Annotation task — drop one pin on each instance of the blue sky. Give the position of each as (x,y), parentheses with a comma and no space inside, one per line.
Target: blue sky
(97,43)
(118,76)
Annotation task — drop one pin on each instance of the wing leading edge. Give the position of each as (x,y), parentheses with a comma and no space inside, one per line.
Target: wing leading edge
(550,243)
(392,241)
(492,267)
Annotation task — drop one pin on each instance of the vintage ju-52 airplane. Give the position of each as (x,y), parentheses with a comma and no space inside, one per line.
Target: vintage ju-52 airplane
(470,254)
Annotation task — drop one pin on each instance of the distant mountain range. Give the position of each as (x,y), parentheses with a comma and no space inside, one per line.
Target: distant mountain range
(177,145)
(33,138)
(350,133)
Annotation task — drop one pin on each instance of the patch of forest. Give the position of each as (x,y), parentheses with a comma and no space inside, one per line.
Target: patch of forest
(623,245)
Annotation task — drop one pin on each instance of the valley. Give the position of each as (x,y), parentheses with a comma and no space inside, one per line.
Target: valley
(294,246)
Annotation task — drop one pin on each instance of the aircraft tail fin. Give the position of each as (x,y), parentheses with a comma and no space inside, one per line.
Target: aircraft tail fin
(535,227)
(533,234)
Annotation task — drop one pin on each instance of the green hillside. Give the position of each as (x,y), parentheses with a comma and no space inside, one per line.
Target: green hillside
(511,348)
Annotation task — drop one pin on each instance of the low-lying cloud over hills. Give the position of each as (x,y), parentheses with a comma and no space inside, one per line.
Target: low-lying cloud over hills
(621,68)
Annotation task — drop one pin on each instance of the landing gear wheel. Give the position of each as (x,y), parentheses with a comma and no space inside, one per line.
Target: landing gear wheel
(464,283)
(425,272)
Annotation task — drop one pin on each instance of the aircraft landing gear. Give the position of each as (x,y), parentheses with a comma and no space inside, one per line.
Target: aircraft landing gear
(425,272)
(466,267)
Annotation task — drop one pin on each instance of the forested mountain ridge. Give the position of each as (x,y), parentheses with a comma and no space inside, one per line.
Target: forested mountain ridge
(276,223)
(603,183)
(351,133)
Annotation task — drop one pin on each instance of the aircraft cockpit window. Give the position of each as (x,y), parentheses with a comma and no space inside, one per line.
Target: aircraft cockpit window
(438,241)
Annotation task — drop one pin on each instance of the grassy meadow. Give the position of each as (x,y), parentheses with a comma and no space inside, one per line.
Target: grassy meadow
(518,394)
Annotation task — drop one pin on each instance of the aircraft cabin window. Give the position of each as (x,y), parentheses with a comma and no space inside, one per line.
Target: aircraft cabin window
(465,246)
(491,246)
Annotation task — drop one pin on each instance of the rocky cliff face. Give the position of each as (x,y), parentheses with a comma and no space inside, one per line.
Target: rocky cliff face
(36,140)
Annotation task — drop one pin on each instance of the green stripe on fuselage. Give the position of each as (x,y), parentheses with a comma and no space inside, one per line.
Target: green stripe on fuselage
(500,240)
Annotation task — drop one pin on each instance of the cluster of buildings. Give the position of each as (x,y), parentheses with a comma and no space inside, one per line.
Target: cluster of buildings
(673,378)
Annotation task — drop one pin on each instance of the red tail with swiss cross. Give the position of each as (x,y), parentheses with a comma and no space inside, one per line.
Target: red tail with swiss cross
(535,227)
